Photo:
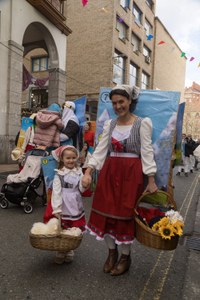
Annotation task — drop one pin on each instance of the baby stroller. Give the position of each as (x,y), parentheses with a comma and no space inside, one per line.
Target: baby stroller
(25,193)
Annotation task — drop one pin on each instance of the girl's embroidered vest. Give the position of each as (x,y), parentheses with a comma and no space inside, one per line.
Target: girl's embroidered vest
(132,144)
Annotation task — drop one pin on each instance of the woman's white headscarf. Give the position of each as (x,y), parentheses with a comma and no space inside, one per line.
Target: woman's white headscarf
(67,115)
(133,91)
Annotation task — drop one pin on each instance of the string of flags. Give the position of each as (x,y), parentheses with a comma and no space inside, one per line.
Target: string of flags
(149,37)
(183,54)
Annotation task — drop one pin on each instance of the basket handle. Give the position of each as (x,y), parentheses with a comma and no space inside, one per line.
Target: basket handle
(171,200)
(59,224)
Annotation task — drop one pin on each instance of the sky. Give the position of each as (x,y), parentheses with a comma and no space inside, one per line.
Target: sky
(181,19)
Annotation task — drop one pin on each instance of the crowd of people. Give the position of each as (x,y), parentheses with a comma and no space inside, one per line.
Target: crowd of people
(190,158)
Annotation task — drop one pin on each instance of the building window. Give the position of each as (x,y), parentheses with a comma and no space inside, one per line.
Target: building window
(136,42)
(148,28)
(146,51)
(150,4)
(138,14)
(133,74)
(40,63)
(125,3)
(145,81)
(122,28)
(118,68)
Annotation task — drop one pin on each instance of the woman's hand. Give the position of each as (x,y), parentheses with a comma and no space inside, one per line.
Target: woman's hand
(151,186)
(86,180)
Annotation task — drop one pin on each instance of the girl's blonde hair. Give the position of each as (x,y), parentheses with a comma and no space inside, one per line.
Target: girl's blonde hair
(61,163)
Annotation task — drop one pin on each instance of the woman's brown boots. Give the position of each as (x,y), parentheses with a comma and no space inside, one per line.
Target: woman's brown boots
(111,260)
(116,268)
(122,266)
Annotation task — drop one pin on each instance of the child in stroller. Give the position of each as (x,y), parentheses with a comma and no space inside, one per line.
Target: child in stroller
(21,188)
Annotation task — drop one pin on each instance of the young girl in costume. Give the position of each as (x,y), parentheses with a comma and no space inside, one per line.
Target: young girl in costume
(66,196)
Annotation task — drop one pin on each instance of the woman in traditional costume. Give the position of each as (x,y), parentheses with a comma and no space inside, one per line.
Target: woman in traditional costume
(123,156)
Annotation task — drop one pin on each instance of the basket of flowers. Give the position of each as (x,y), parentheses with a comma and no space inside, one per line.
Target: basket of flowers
(158,224)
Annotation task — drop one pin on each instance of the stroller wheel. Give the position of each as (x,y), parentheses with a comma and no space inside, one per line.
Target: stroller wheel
(3,203)
(28,208)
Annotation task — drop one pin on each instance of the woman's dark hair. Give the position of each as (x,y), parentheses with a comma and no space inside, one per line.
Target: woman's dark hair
(125,94)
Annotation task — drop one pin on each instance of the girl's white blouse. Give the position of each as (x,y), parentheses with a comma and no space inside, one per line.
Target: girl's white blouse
(147,155)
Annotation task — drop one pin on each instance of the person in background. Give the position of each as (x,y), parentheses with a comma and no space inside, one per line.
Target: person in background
(70,130)
(48,127)
(88,136)
(196,153)
(27,145)
(185,157)
(191,145)
(123,155)
(66,196)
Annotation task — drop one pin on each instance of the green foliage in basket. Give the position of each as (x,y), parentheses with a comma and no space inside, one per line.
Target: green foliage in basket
(156,199)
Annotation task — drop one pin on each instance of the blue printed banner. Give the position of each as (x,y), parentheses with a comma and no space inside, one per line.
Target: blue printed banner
(26,123)
(80,110)
(161,107)
(179,126)
(49,164)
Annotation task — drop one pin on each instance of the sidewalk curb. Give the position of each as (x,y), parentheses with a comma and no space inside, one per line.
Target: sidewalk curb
(191,287)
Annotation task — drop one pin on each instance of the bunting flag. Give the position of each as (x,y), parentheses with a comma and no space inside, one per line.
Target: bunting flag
(120,20)
(183,54)
(149,37)
(29,79)
(84,2)
(198,65)
(161,42)
(192,58)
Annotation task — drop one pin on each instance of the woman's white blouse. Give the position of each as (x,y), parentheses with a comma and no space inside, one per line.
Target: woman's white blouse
(147,155)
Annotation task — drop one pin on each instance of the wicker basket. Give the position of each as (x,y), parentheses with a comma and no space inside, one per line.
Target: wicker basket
(59,242)
(145,235)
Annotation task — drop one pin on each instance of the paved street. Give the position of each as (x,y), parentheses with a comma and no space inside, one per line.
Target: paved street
(28,273)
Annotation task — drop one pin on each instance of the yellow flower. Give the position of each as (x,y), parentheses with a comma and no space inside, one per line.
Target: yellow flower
(166,231)
(163,221)
(178,228)
(155,227)
(179,223)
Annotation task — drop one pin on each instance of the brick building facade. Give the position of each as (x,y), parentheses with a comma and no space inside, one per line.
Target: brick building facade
(109,44)
(191,124)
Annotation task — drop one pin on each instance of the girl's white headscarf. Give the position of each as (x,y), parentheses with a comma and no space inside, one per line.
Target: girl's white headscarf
(67,115)
(58,152)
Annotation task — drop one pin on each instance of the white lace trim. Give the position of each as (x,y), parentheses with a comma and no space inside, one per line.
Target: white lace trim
(98,238)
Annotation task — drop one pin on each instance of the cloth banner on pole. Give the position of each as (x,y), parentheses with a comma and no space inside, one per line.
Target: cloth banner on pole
(161,107)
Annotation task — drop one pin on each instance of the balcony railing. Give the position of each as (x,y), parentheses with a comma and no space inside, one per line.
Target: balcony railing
(53,10)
